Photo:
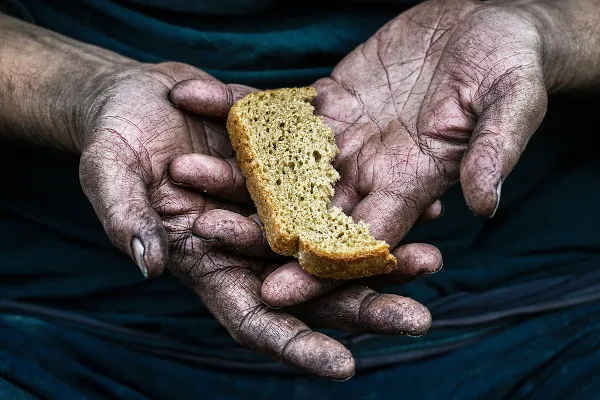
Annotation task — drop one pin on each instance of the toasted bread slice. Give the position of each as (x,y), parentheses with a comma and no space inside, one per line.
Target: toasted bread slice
(285,152)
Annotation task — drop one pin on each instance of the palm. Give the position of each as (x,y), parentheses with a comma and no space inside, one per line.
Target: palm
(405,103)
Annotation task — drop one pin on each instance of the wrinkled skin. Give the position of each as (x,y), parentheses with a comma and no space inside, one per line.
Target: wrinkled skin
(132,134)
(134,166)
(449,90)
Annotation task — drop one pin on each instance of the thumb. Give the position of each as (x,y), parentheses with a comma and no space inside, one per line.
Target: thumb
(509,114)
(118,193)
(207,97)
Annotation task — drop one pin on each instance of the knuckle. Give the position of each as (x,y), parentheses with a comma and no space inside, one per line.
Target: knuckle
(370,297)
(300,334)
(232,179)
(484,160)
(254,325)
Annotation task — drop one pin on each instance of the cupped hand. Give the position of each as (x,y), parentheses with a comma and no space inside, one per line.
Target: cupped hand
(449,90)
(230,286)
(288,285)
(136,156)
(131,134)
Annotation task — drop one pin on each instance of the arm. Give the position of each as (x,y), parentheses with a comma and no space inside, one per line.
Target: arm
(571,31)
(46,81)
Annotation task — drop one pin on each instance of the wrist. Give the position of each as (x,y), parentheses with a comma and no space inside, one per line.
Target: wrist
(554,44)
(569,35)
(50,82)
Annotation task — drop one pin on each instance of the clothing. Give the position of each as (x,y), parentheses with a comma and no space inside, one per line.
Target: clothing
(77,321)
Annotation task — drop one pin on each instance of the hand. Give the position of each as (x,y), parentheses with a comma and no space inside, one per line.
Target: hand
(135,163)
(448,89)
(131,135)
(451,89)
(230,285)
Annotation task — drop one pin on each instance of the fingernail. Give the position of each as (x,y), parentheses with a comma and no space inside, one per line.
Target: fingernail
(436,271)
(443,210)
(498,190)
(138,253)
(345,379)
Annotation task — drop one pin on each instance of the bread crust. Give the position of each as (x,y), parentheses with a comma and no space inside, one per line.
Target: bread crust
(316,261)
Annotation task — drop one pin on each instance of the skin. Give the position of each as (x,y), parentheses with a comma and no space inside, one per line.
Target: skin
(137,152)
(449,91)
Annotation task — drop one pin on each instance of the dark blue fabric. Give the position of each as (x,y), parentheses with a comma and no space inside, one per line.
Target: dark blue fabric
(277,44)
(515,310)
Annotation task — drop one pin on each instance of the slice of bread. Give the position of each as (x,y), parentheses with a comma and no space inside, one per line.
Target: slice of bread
(285,152)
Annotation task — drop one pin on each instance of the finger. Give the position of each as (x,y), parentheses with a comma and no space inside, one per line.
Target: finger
(345,195)
(351,142)
(214,176)
(390,215)
(174,200)
(358,309)
(119,196)
(509,113)
(233,232)
(290,284)
(267,271)
(434,211)
(401,176)
(230,289)
(209,137)
(416,259)
(254,325)
(209,98)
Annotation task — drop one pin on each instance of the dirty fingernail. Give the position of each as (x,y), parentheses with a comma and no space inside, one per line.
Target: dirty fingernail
(498,190)
(343,379)
(437,270)
(138,253)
